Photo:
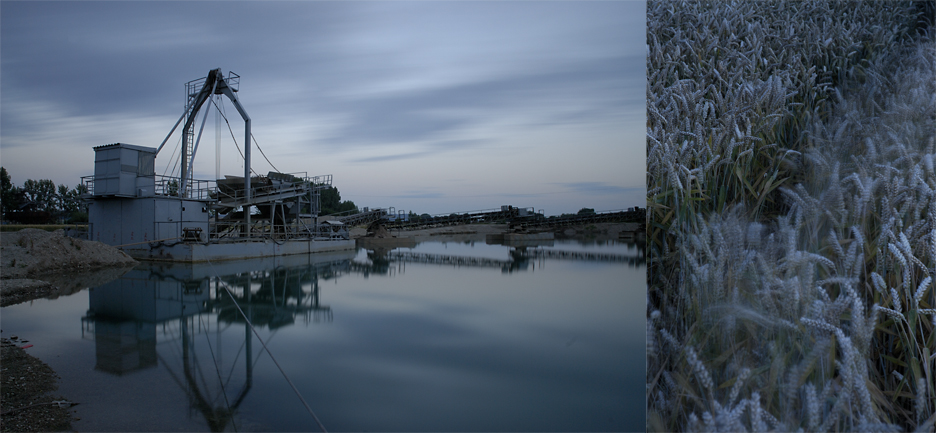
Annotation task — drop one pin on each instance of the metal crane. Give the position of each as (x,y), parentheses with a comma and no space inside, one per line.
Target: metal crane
(214,84)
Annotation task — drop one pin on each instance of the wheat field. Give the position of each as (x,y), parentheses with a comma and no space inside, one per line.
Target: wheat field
(791,216)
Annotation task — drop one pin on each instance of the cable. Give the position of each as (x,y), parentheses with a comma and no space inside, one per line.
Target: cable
(246,319)
(251,136)
(261,152)
(217,141)
(234,138)
(172,158)
(231,130)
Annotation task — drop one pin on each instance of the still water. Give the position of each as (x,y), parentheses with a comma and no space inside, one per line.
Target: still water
(444,336)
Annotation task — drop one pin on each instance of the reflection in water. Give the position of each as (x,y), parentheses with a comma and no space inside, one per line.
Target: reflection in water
(522,256)
(178,318)
(172,304)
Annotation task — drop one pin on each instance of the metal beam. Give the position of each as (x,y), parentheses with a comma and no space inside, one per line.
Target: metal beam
(230,94)
(173,129)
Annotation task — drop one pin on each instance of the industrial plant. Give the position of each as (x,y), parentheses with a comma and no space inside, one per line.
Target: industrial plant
(180,218)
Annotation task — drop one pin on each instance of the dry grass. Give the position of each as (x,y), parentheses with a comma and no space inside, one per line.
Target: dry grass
(792,202)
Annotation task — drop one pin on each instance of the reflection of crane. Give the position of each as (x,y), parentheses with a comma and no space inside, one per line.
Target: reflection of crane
(168,306)
(281,296)
(126,317)
(216,414)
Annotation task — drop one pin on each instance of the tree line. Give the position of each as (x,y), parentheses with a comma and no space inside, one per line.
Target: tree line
(42,199)
(331,203)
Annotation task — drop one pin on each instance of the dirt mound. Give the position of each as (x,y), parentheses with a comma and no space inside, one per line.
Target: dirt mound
(380,232)
(31,253)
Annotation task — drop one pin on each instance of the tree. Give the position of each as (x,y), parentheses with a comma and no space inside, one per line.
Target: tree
(64,198)
(43,196)
(9,194)
(586,211)
(172,188)
(332,204)
(330,200)
(41,193)
(347,206)
(72,207)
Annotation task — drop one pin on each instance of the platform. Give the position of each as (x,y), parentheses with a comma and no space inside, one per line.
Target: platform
(190,252)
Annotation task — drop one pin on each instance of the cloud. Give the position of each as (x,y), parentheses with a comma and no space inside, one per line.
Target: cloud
(598,188)
(420,195)
(595,88)
(416,91)
(399,156)
(116,57)
(431,150)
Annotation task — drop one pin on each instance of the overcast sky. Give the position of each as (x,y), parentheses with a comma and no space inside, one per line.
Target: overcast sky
(432,107)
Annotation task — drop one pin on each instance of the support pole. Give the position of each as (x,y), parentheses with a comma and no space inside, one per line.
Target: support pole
(247,193)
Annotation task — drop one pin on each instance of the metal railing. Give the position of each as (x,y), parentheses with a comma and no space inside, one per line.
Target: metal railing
(168,186)
(193,87)
(195,189)
(209,190)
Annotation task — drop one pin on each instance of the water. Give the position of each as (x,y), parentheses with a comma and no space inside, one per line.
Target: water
(372,342)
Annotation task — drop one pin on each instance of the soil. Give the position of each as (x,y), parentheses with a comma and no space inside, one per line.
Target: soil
(38,264)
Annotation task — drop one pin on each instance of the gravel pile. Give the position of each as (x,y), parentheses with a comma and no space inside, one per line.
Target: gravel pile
(33,252)
(39,264)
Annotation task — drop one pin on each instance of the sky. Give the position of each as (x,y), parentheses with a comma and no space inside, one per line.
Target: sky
(431,107)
